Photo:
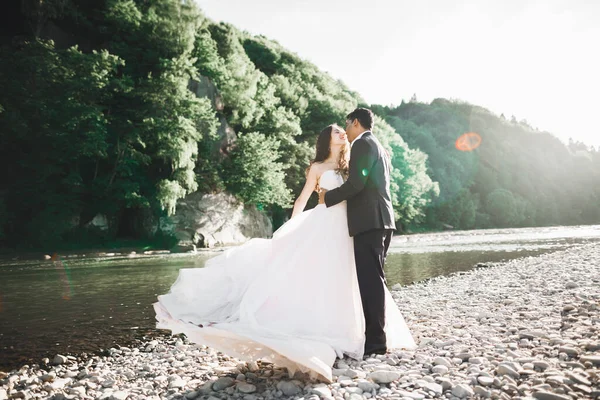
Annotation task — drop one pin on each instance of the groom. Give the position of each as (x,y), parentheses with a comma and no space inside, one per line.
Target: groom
(370,220)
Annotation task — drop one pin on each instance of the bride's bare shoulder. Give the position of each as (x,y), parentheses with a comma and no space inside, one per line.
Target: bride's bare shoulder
(316,168)
(319,168)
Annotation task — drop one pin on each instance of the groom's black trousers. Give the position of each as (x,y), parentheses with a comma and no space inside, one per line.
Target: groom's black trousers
(370,250)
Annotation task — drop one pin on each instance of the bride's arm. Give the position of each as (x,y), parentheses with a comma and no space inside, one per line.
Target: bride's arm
(309,187)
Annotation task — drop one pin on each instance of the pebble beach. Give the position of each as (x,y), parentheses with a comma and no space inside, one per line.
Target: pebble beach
(525,329)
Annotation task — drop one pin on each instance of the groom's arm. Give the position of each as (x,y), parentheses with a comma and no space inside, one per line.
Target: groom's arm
(362,159)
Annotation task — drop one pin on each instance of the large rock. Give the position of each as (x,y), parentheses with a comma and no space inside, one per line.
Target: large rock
(206,220)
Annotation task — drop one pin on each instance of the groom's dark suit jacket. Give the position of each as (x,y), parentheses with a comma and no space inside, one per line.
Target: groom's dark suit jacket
(367,189)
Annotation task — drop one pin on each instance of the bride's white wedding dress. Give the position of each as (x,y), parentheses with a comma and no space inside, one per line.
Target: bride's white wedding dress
(292,300)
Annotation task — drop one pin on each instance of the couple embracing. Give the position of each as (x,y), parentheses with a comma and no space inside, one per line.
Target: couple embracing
(316,290)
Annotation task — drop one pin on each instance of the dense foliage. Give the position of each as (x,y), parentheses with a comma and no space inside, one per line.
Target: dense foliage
(121,108)
(517,177)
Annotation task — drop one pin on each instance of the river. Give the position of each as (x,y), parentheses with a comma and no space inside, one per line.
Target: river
(87,302)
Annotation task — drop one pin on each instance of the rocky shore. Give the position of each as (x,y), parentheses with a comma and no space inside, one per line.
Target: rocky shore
(529,328)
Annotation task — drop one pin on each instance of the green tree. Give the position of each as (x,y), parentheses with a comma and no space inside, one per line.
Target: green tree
(52,144)
(253,173)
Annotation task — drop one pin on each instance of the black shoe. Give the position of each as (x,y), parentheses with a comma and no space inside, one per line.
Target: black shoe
(376,350)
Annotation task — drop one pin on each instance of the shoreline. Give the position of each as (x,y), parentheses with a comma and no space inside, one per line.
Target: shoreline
(525,328)
(139,251)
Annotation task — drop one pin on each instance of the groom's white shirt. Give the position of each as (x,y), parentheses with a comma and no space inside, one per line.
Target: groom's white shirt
(358,137)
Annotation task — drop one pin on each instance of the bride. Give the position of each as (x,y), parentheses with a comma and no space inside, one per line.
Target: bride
(292,300)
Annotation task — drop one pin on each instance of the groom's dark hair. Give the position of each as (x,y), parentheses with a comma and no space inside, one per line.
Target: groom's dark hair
(364,117)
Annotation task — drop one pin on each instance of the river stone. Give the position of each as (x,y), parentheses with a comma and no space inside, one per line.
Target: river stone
(108,383)
(579,378)
(246,388)
(592,358)
(506,370)
(367,386)
(440,369)
(583,388)
(464,356)
(574,365)
(206,388)
(442,361)
(462,391)
(571,351)
(321,390)
(550,396)
(351,373)
(177,383)
(288,388)
(119,395)
(485,380)
(482,392)
(48,377)
(434,387)
(60,383)
(58,359)
(477,360)
(446,383)
(543,365)
(353,389)
(384,376)
(411,395)
(78,390)
(222,383)
(556,379)
(593,346)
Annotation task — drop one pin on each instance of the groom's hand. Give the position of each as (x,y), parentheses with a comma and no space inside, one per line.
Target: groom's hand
(322,196)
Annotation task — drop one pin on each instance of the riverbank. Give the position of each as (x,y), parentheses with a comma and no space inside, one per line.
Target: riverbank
(528,327)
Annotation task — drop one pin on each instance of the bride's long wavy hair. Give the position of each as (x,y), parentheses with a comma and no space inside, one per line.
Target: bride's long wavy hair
(324,151)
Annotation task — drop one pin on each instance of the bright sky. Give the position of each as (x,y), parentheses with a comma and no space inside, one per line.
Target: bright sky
(537,60)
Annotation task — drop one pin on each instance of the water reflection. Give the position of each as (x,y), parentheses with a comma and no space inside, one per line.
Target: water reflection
(406,268)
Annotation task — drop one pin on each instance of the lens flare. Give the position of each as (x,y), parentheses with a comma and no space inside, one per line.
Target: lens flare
(468,141)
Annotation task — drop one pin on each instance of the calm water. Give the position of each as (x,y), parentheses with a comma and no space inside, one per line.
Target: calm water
(84,304)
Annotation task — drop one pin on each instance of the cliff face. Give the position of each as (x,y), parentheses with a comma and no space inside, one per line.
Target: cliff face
(208,220)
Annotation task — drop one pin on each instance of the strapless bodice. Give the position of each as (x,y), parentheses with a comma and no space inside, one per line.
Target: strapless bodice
(330,179)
